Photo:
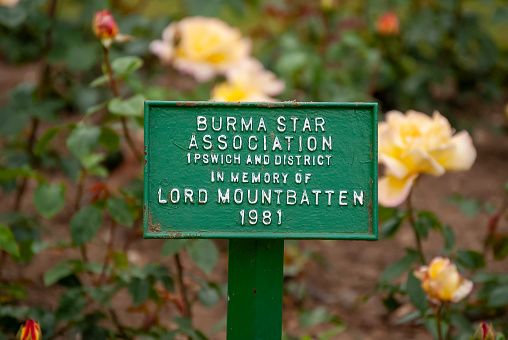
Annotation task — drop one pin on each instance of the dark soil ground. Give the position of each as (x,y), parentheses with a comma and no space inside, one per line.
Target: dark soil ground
(347,286)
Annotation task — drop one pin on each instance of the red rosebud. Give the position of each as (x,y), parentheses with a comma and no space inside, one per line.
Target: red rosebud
(30,331)
(104,25)
(388,24)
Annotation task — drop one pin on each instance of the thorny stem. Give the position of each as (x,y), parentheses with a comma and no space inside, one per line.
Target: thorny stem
(493,224)
(413,224)
(30,147)
(438,322)
(3,256)
(79,194)
(114,88)
(108,251)
(116,322)
(43,82)
(183,288)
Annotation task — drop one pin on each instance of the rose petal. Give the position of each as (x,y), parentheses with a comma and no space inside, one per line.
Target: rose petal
(464,289)
(162,50)
(462,156)
(393,165)
(392,191)
(424,162)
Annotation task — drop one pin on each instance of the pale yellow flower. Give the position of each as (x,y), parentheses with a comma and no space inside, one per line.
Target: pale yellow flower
(416,143)
(248,81)
(442,281)
(9,3)
(202,47)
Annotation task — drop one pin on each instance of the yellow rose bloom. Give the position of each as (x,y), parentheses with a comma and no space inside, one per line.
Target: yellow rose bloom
(442,281)
(248,81)
(9,3)
(415,143)
(202,47)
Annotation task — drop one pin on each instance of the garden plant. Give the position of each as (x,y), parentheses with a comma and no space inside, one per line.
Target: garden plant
(74,75)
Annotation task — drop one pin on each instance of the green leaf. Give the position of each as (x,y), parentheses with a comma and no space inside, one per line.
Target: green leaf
(208,296)
(109,138)
(12,17)
(43,142)
(397,268)
(498,297)
(139,288)
(127,107)
(99,81)
(172,247)
(83,140)
(416,293)
(500,247)
(7,241)
(57,273)
(71,305)
(91,110)
(119,211)
(8,174)
(125,65)
(203,253)
(314,317)
(449,238)
(102,294)
(85,224)
(425,221)
(470,259)
(390,227)
(49,199)
(431,325)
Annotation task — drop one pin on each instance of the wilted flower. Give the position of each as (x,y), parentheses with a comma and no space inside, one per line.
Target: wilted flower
(442,281)
(248,81)
(388,24)
(484,332)
(202,47)
(416,143)
(30,331)
(9,3)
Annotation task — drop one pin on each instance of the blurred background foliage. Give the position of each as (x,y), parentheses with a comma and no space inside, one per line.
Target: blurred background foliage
(446,55)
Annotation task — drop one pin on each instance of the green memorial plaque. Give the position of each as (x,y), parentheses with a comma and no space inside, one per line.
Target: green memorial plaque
(260,170)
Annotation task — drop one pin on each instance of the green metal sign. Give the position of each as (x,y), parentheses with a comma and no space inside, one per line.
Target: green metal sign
(260,170)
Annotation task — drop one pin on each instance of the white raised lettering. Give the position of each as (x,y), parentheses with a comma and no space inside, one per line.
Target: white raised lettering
(201,123)
(222,198)
(193,143)
(281,121)
(162,201)
(357,197)
(342,195)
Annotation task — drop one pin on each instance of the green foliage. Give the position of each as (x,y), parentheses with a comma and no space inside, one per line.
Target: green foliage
(127,107)
(7,241)
(203,253)
(446,55)
(85,224)
(119,211)
(49,199)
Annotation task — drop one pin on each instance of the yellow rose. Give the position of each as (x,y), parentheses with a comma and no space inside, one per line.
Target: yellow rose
(202,47)
(416,143)
(248,81)
(442,281)
(9,3)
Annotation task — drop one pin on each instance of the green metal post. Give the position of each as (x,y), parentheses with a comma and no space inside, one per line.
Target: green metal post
(255,289)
